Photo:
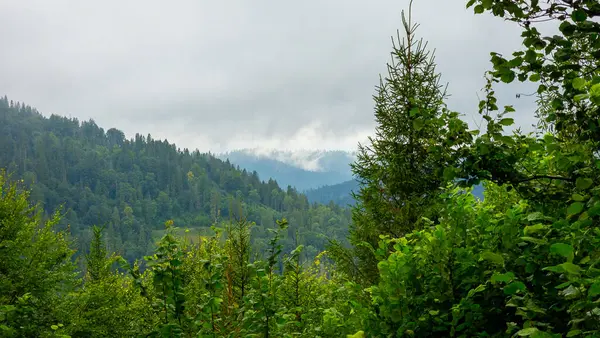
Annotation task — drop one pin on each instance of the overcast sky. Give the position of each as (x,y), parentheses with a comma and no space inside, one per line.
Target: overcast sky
(219,75)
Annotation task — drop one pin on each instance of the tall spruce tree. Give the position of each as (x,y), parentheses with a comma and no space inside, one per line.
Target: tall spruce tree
(96,260)
(416,144)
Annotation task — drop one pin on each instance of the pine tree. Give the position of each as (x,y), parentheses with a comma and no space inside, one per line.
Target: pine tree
(96,259)
(402,166)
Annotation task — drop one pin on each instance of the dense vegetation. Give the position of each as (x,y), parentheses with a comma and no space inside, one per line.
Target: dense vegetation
(427,258)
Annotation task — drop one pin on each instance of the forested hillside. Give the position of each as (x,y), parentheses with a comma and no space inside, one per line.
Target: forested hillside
(340,194)
(133,186)
(426,258)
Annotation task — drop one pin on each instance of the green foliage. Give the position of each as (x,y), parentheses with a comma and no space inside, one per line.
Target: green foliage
(238,247)
(97,263)
(35,264)
(478,273)
(108,307)
(214,285)
(167,279)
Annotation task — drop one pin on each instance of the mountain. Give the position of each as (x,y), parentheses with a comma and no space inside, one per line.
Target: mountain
(311,160)
(339,194)
(134,186)
(300,169)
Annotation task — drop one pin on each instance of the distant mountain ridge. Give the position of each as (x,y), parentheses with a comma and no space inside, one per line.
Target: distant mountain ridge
(303,170)
(307,159)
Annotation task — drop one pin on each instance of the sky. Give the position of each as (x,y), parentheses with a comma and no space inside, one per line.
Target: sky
(223,75)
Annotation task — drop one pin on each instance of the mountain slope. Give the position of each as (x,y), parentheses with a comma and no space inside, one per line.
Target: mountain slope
(134,186)
(340,194)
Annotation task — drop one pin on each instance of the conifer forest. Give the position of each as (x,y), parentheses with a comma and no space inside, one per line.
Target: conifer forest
(104,236)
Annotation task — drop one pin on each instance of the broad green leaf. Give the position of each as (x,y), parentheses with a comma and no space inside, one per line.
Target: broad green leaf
(571,268)
(541,88)
(532,229)
(594,210)
(493,257)
(507,139)
(487,4)
(418,124)
(507,121)
(577,197)
(557,103)
(507,76)
(562,249)
(534,240)
(449,173)
(574,333)
(555,268)
(503,277)
(595,90)
(578,83)
(567,28)
(535,77)
(594,290)
(570,292)
(575,208)
(479,288)
(514,287)
(579,15)
(595,93)
(563,285)
(527,332)
(359,334)
(583,183)
(534,216)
